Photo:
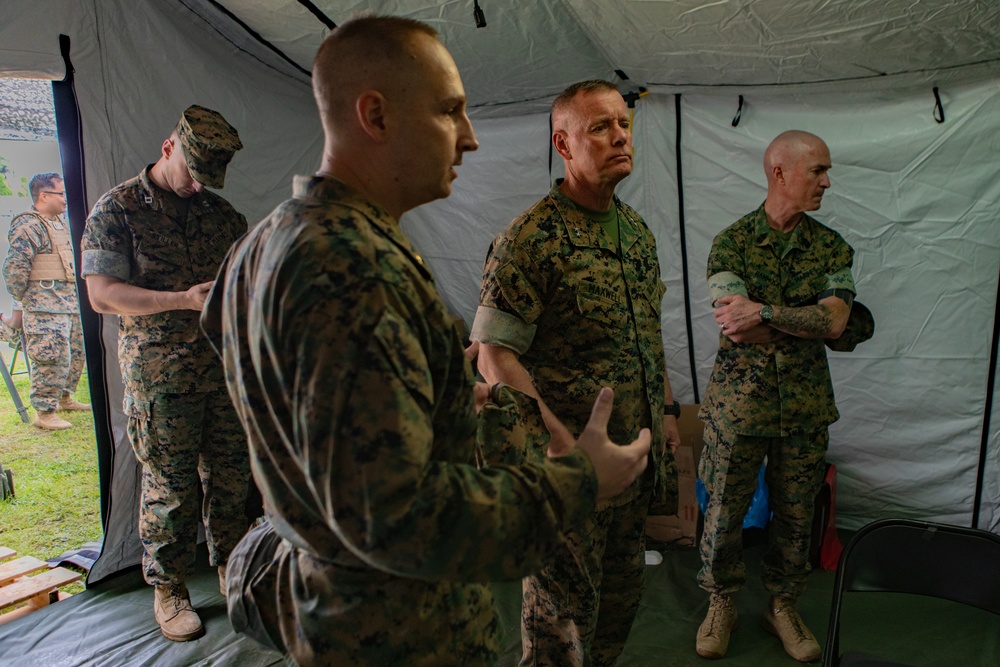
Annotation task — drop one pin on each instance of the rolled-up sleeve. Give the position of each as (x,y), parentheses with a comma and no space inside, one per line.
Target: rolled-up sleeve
(107,247)
(841,279)
(496,327)
(104,263)
(510,297)
(725,283)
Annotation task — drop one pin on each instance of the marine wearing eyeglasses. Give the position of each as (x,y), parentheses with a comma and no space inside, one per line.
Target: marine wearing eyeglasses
(40,274)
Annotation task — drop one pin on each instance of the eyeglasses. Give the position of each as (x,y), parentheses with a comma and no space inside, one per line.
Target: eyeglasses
(48,192)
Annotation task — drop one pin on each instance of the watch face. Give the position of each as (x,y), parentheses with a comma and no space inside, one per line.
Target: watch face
(766,312)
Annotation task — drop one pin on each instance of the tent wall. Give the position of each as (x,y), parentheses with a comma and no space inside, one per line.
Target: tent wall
(136,67)
(131,94)
(916,199)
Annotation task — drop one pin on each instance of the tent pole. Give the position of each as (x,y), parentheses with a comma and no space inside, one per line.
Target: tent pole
(684,252)
(987,410)
(70,133)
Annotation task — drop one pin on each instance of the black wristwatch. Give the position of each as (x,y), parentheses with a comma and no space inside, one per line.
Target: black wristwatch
(672,409)
(766,313)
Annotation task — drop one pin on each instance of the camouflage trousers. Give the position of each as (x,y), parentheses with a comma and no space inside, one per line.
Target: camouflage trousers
(579,609)
(54,347)
(729,467)
(324,613)
(184,441)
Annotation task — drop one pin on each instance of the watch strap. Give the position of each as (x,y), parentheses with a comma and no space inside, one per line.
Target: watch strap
(766,313)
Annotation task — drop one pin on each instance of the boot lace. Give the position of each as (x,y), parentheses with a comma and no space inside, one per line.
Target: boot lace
(794,620)
(718,610)
(175,597)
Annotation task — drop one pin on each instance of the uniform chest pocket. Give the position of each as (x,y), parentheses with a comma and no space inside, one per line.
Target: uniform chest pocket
(603,329)
(651,296)
(604,308)
(156,253)
(217,246)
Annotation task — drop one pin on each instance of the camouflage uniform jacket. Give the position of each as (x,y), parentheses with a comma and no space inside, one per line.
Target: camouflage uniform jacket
(556,291)
(349,376)
(780,388)
(29,237)
(136,234)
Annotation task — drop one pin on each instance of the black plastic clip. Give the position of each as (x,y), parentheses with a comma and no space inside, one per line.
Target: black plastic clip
(938,108)
(739,113)
(630,98)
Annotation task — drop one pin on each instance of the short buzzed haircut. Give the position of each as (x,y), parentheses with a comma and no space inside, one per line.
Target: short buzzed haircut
(592,86)
(368,38)
(40,182)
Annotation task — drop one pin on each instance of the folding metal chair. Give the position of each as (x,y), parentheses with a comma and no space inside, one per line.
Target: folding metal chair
(904,556)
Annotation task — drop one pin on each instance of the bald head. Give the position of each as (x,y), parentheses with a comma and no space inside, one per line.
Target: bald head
(796,164)
(373,52)
(788,148)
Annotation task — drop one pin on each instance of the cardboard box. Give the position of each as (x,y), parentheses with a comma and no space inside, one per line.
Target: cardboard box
(680,528)
(665,529)
(690,429)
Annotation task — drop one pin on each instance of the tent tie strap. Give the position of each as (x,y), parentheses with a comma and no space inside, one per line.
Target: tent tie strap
(739,113)
(938,108)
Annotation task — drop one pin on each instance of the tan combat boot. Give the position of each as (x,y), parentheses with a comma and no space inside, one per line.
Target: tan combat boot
(783,620)
(49,421)
(720,621)
(178,620)
(67,404)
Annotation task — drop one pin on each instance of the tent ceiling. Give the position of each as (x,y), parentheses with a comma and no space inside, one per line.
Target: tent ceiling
(530,51)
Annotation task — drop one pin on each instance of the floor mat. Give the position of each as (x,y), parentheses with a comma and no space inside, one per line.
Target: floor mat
(111,624)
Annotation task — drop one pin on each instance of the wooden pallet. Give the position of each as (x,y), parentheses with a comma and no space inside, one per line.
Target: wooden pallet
(38,591)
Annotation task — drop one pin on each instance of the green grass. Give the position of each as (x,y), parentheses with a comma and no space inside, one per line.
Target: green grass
(57,504)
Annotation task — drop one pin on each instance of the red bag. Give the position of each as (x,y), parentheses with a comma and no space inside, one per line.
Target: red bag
(825,549)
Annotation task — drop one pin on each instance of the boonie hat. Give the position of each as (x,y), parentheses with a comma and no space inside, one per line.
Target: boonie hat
(860,327)
(209,143)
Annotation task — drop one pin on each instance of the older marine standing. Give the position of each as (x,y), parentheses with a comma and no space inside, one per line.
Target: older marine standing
(359,405)
(570,301)
(151,250)
(40,273)
(781,285)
